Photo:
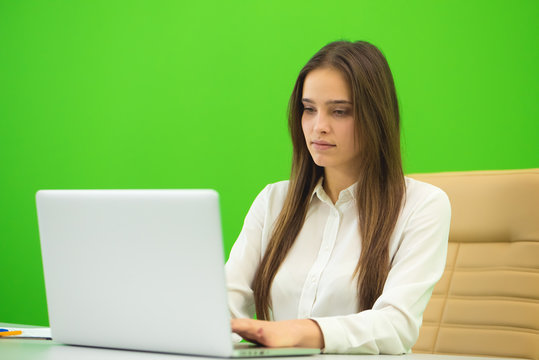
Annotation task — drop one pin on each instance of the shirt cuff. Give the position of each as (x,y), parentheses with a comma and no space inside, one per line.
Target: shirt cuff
(236,338)
(335,337)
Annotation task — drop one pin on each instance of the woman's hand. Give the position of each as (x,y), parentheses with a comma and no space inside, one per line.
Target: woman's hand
(287,333)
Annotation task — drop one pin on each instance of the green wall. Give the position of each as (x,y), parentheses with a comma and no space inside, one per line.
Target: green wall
(174,94)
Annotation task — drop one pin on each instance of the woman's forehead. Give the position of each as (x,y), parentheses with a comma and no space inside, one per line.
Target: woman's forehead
(326,85)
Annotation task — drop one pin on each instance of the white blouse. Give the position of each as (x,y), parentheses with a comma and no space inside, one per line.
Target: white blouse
(315,280)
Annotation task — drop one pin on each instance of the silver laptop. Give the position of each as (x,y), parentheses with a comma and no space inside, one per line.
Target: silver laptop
(139,270)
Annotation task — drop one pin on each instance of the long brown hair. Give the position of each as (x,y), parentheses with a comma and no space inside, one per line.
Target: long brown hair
(380,189)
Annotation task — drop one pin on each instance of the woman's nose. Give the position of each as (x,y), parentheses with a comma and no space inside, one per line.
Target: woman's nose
(321,124)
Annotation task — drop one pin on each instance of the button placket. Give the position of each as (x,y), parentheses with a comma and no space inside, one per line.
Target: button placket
(308,296)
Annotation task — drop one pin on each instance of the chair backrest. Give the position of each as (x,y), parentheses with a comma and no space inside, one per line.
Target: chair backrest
(487,302)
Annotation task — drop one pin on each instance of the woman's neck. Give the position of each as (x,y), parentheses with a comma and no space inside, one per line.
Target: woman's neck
(336,181)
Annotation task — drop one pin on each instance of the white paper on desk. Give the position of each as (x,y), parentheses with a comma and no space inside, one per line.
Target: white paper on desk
(30,332)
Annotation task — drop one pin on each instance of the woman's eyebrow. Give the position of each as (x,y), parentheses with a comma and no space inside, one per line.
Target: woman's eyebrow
(328,102)
(338,102)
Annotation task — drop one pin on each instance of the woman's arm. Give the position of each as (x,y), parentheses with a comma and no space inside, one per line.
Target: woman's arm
(287,333)
(244,259)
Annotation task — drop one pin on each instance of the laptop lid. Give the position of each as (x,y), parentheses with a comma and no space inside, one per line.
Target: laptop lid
(135,269)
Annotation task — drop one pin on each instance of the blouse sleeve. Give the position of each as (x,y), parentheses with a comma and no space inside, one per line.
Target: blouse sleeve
(244,259)
(392,325)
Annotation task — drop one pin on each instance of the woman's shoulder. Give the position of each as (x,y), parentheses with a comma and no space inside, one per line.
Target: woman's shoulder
(416,187)
(419,192)
(275,191)
(279,186)
(269,201)
(272,193)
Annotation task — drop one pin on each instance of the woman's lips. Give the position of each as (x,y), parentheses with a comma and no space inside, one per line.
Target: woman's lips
(322,145)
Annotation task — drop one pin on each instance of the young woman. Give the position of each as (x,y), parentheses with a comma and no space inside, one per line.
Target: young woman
(344,255)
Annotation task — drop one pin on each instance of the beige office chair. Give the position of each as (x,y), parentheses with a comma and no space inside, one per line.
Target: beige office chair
(487,302)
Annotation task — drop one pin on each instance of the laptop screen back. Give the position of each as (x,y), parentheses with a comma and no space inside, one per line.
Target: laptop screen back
(135,269)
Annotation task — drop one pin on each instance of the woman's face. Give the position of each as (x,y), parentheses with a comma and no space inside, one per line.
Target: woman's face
(327,121)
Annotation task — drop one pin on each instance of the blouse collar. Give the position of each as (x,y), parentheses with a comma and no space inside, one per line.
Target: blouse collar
(344,196)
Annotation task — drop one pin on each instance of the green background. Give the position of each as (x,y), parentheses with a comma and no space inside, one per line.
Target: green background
(173,94)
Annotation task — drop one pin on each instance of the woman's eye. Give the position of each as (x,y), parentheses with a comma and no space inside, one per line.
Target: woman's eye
(308,109)
(339,112)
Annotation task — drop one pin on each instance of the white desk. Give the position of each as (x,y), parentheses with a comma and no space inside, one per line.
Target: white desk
(28,349)
(33,349)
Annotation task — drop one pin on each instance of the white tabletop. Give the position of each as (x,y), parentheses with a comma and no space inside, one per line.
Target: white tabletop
(29,349)
(34,349)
